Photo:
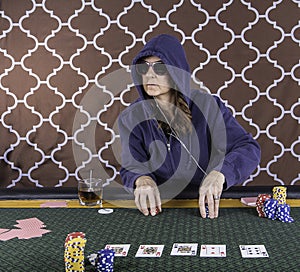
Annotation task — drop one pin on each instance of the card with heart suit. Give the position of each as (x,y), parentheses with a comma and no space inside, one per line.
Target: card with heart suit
(213,251)
(254,251)
(182,249)
(150,251)
(121,250)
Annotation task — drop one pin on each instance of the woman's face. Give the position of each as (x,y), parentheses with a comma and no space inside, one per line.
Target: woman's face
(156,85)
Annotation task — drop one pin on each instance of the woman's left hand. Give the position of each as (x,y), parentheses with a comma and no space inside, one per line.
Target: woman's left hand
(210,192)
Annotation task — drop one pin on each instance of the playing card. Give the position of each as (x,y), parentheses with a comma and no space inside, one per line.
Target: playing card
(149,251)
(27,234)
(9,234)
(181,249)
(3,230)
(249,201)
(253,251)
(27,228)
(54,204)
(30,223)
(213,251)
(121,250)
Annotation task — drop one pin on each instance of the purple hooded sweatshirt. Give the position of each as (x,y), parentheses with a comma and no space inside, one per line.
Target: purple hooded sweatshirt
(177,163)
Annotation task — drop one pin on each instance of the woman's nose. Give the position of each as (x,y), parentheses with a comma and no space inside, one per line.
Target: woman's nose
(150,72)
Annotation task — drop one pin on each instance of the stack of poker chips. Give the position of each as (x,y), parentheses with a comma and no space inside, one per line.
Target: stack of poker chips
(279,194)
(105,260)
(206,210)
(260,204)
(74,252)
(276,207)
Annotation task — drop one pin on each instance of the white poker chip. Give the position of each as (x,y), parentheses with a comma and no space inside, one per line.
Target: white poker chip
(105,211)
(92,258)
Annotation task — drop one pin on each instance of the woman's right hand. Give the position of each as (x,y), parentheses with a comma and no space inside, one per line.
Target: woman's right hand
(146,189)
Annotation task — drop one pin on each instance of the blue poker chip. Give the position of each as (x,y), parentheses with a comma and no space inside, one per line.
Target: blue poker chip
(207,211)
(270,208)
(274,210)
(283,213)
(105,260)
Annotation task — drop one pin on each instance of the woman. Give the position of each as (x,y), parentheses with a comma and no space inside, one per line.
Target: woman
(174,138)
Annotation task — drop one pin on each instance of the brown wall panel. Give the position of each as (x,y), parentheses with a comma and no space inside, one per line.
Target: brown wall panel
(64,78)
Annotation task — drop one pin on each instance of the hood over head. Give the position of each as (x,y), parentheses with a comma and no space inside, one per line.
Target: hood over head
(171,52)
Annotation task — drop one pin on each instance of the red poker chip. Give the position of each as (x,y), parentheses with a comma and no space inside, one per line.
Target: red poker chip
(73,235)
(77,234)
(261,198)
(156,210)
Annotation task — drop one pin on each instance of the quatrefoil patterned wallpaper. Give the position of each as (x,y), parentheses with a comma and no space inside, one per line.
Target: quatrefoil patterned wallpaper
(65,77)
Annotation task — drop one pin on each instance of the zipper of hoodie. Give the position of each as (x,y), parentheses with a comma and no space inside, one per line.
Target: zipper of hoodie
(176,138)
(168,145)
(165,138)
(174,134)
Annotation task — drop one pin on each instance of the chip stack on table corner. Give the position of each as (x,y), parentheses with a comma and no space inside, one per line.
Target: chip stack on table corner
(74,252)
(276,207)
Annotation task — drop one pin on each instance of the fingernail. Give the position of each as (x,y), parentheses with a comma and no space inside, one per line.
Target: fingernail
(146,213)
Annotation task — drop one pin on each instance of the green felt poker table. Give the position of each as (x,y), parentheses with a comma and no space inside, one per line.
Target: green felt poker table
(179,223)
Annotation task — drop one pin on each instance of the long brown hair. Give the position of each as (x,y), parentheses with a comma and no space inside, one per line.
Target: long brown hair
(182,121)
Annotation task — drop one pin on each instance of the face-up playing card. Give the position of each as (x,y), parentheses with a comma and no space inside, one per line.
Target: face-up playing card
(253,251)
(180,249)
(150,251)
(213,251)
(120,250)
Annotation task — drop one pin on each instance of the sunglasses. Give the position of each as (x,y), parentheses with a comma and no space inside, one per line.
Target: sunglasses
(158,67)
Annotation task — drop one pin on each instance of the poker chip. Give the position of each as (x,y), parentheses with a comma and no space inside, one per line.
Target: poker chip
(261,198)
(74,252)
(279,193)
(105,211)
(274,207)
(274,210)
(105,260)
(92,258)
(73,235)
(283,213)
(270,208)
(157,210)
(207,211)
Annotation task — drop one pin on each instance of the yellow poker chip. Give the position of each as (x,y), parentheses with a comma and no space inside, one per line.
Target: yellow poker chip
(74,252)
(279,194)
